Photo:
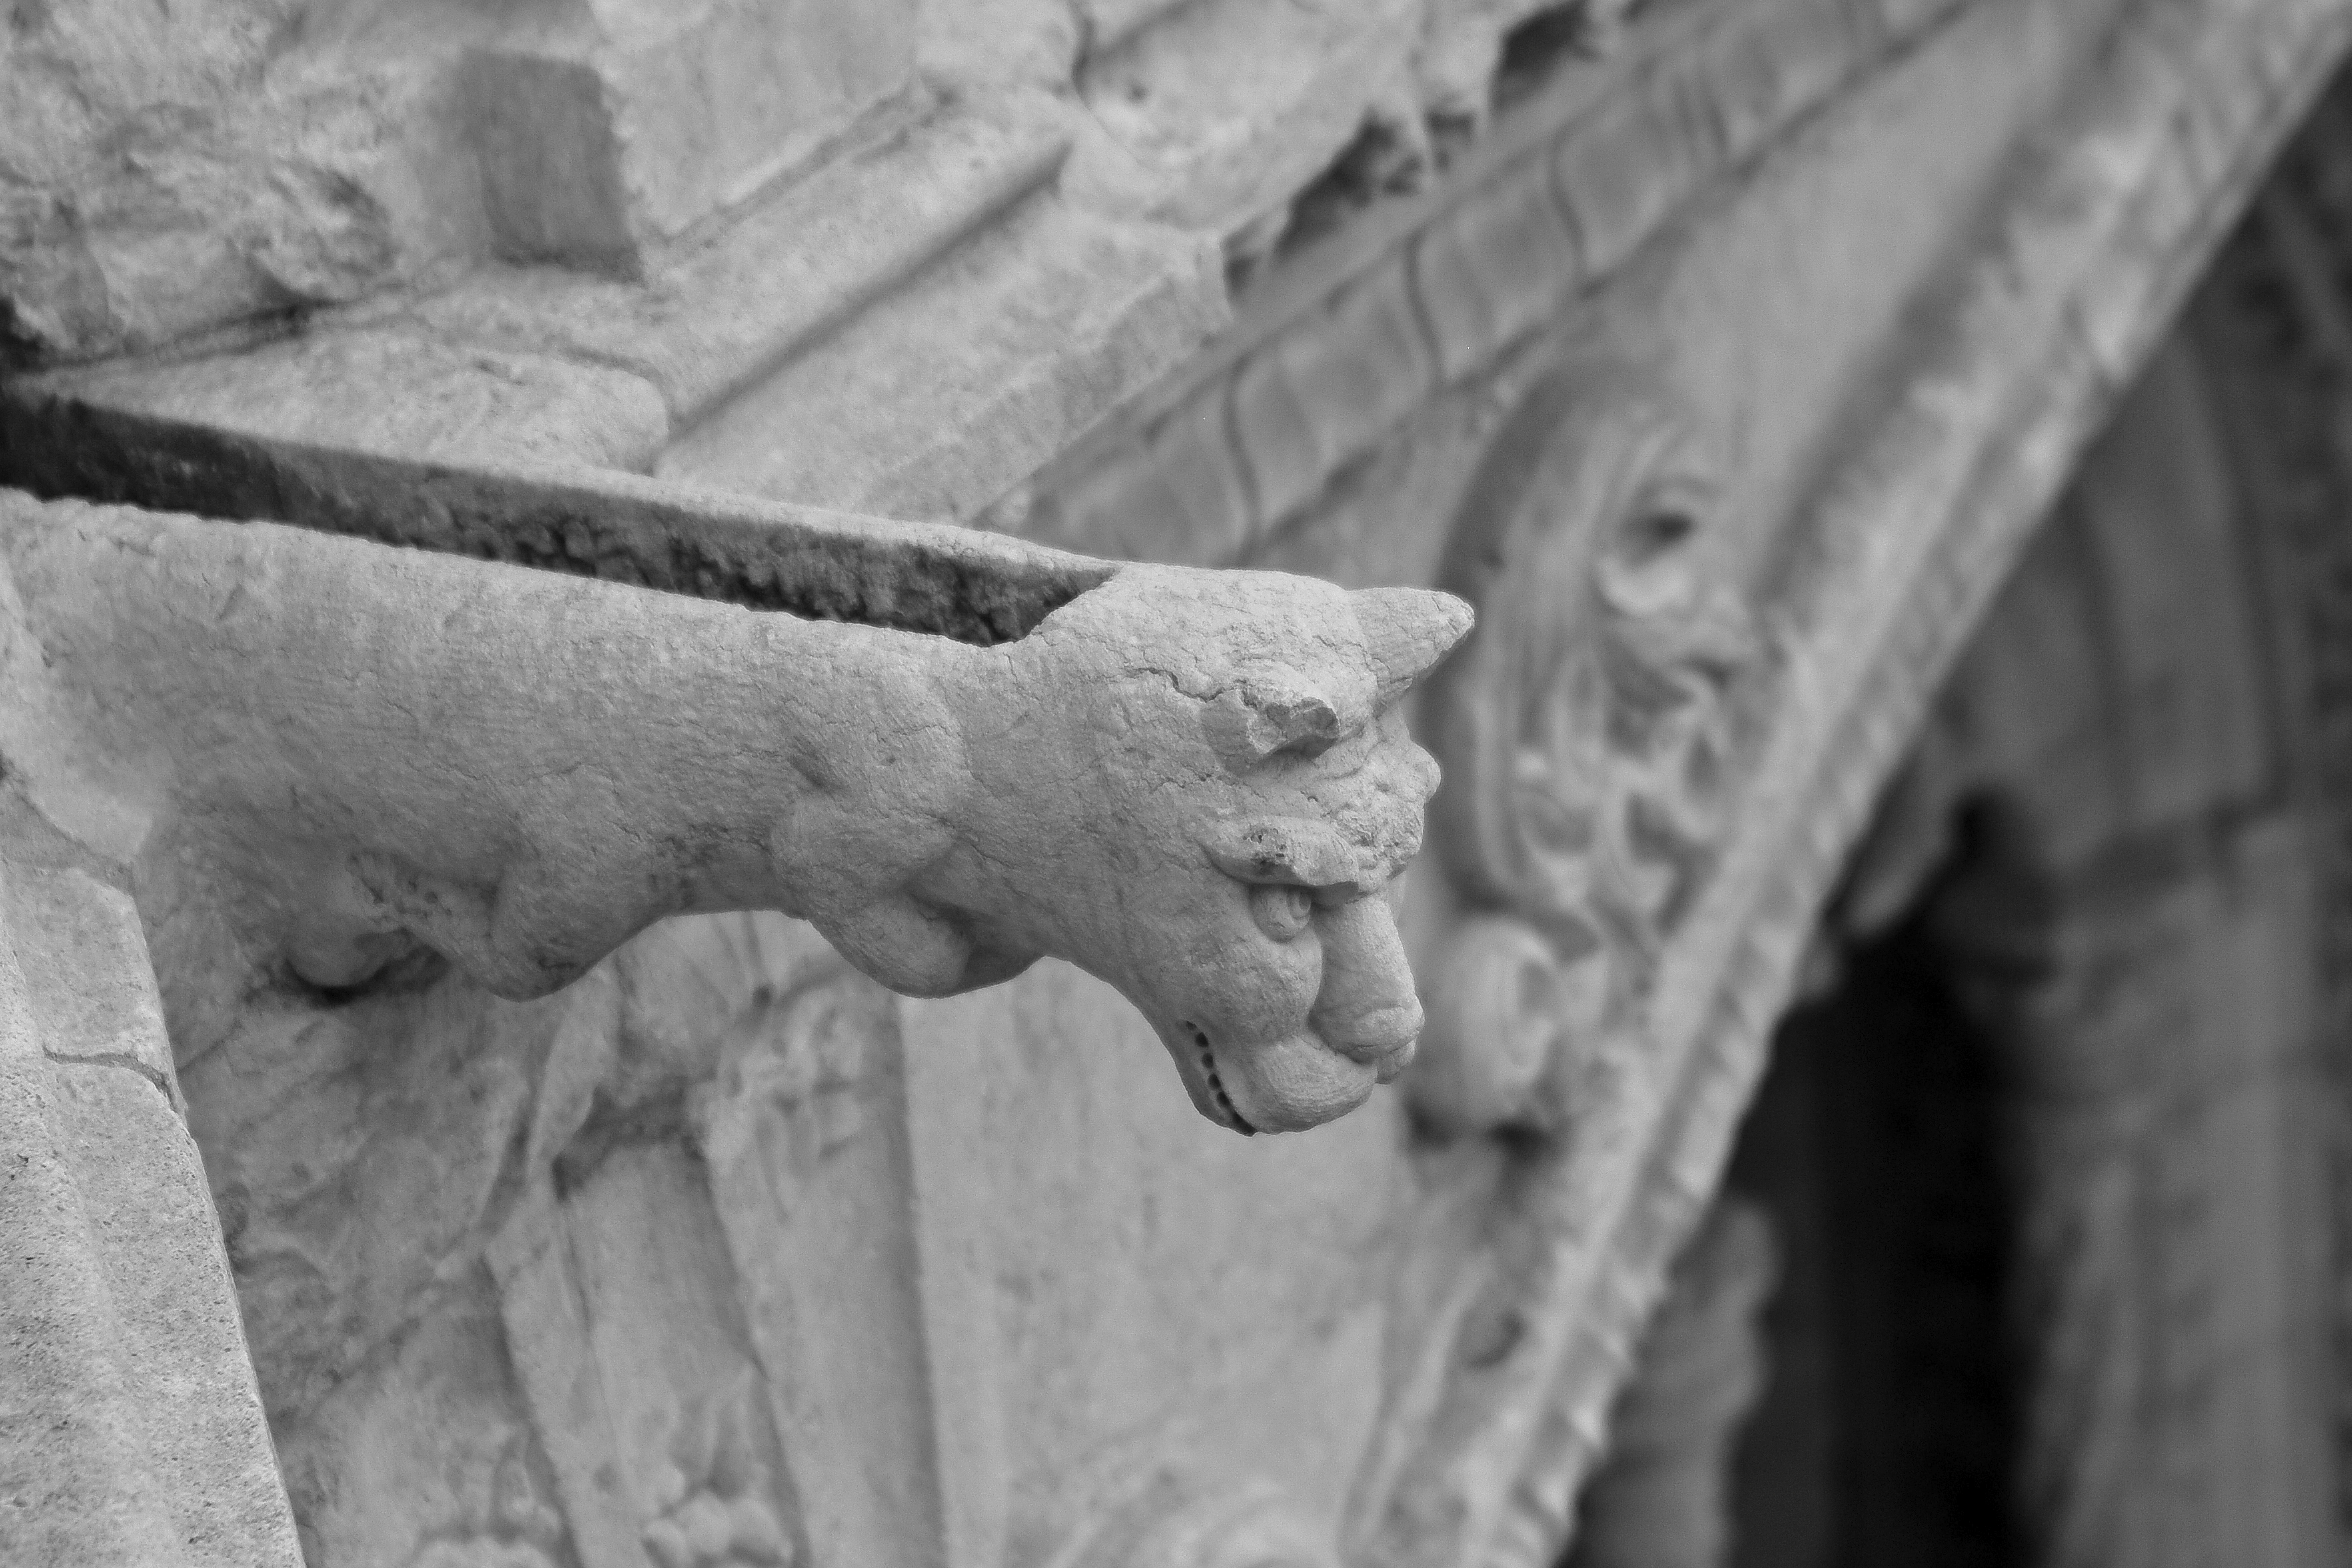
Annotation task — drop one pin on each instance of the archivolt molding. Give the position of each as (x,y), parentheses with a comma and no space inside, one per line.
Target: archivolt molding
(2108,216)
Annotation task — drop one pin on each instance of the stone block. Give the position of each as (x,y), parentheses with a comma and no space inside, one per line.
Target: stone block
(609,125)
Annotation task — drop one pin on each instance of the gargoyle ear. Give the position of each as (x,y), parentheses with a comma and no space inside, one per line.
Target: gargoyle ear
(1407,630)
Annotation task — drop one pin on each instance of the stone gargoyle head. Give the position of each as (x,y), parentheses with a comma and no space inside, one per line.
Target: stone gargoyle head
(1206,788)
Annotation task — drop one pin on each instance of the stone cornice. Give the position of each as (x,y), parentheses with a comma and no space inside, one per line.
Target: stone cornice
(804,312)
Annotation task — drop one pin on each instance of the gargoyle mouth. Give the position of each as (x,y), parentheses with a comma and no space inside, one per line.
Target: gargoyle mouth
(1208,1059)
(1282,1085)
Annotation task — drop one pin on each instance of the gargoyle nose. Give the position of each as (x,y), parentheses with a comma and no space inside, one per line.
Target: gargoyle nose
(1367,1034)
(1366,1010)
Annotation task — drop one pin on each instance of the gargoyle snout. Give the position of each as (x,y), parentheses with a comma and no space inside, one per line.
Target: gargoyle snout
(1289,1086)
(1381,1035)
(1366,1010)
(1360,1030)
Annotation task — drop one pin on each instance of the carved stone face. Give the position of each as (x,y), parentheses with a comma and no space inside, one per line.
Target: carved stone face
(1307,1000)
(1251,796)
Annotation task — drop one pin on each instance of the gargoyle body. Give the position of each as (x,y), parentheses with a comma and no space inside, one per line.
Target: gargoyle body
(316,754)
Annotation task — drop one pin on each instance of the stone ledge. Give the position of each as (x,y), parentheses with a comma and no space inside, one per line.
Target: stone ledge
(379,391)
(981,370)
(779,276)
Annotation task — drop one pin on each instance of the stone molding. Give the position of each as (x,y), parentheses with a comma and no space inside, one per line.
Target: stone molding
(1664,1498)
(2108,215)
(1585,730)
(1206,466)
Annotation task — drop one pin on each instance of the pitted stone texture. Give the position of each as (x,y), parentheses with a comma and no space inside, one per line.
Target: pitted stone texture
(130,1431)
(86,975)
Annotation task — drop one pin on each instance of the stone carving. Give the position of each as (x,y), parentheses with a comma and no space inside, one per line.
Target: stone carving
(506,1523)
(785,1097)
(1586,731)
(326,757)
(712,1493)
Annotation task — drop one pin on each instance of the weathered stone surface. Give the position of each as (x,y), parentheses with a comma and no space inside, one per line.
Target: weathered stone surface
(175,173)
(1320,377)
(659,1264)
(254,155)
(130,1431)
(392,392)
(71,1460)
(1221,111)
(1662,1498)
(264,156)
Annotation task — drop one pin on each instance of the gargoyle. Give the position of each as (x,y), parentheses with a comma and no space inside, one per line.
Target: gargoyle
(315,755)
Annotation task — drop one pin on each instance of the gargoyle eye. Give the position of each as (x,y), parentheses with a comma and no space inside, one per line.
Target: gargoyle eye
(1281,911)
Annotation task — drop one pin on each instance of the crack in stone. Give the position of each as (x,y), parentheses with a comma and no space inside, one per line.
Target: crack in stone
(127,1061)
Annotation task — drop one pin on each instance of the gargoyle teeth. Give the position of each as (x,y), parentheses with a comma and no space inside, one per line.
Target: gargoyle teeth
(1239,1123)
